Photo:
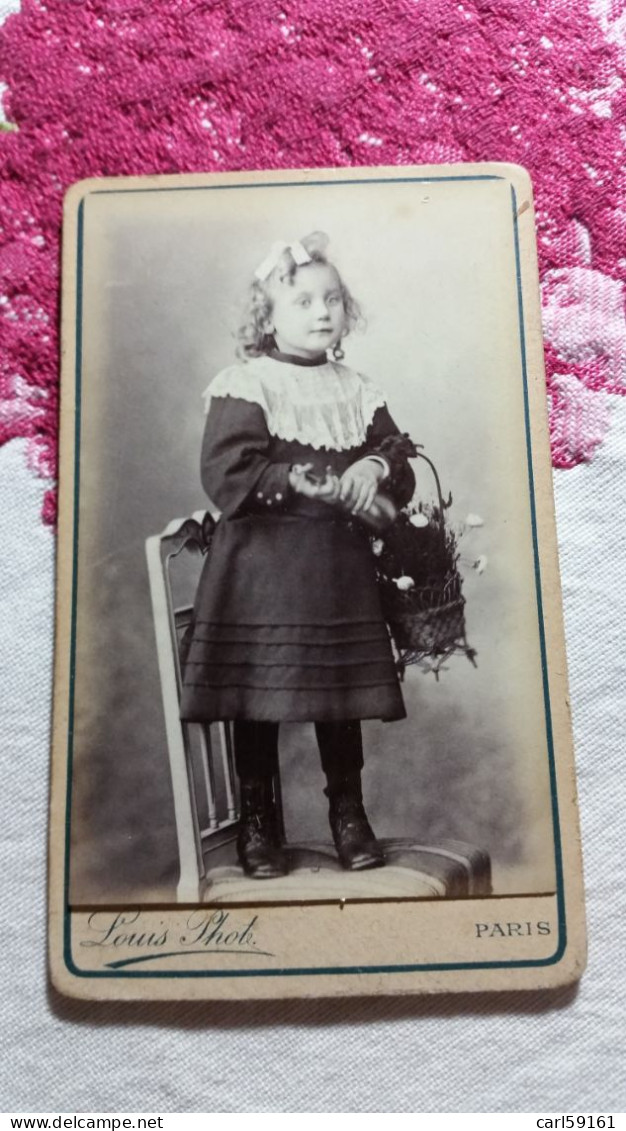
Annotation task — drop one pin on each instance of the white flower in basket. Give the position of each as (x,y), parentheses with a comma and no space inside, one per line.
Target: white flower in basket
(404,583)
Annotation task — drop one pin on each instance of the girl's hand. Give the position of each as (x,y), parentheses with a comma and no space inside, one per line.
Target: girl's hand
(359,485)
(328,489)
(303,483)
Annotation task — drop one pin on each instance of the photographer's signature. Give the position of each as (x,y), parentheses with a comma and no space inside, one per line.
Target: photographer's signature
(205,932)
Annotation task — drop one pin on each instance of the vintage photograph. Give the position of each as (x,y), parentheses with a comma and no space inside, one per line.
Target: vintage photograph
(308,632)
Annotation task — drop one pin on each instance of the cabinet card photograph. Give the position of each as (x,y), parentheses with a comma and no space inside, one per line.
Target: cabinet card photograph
(311,730)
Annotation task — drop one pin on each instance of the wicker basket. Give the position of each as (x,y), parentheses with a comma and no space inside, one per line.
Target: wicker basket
(427,621)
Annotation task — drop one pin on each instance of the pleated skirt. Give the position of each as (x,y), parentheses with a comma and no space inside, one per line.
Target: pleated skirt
(287,625)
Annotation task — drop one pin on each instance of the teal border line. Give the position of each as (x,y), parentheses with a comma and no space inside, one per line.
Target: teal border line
(315,970)
(300,184)
(67,943)
(558,854)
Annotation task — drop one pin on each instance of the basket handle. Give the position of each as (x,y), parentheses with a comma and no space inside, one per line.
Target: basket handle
(442,505)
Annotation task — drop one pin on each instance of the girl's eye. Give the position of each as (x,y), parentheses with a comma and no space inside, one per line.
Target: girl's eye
(333,300)
(304,302)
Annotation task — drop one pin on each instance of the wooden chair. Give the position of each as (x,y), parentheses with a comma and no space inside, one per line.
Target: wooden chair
(204,781)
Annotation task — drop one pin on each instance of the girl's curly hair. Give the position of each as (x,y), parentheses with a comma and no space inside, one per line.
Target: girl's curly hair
(253,338)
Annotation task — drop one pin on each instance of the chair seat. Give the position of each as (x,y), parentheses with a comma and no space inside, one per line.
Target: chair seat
(449,869)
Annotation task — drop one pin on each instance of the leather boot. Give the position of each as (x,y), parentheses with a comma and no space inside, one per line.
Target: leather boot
(258,843)
(357,847)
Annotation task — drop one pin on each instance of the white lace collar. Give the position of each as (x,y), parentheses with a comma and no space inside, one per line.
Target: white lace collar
(322,406)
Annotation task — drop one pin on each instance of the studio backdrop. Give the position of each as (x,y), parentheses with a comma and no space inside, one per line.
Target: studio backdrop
(434,271)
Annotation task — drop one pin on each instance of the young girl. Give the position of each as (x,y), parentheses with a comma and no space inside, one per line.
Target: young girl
(287,621)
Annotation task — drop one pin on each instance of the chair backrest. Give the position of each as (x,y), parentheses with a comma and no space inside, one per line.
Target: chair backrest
(200,755)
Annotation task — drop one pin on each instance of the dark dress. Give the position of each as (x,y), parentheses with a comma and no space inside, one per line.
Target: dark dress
(287,620)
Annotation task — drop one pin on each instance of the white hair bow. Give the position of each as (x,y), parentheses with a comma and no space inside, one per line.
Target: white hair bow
(297,250)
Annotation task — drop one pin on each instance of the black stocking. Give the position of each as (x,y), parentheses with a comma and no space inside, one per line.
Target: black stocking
(256,749)
(341,750)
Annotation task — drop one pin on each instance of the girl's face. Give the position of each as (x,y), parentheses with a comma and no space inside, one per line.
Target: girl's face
(308,315)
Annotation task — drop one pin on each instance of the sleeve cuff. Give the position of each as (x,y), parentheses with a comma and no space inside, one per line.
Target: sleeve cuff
(383,463)
(272,490)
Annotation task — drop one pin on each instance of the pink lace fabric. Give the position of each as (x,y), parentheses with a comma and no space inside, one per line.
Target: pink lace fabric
(130,87)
